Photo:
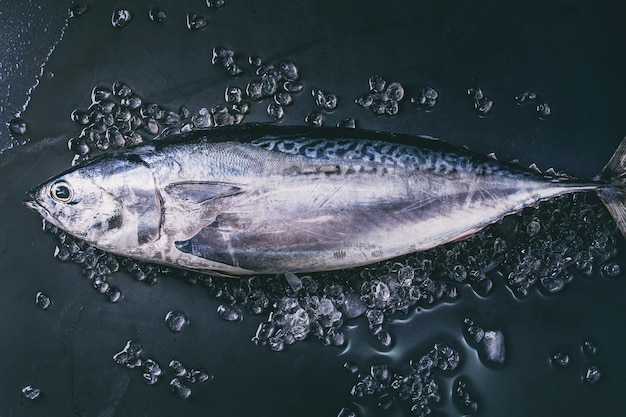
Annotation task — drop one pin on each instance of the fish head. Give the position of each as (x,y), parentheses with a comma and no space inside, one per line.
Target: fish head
(111,203)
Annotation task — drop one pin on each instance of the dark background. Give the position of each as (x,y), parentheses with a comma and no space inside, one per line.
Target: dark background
(570,52)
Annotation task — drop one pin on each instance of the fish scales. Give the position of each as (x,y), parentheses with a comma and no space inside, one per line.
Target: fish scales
(269,199)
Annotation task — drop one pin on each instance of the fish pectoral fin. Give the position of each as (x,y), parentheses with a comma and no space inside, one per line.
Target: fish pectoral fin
(202,191)
(229,222)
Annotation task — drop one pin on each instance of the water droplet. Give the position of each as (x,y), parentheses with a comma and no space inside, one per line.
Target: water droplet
(560,359)
(196,21)
(611,270)
(31,392)
(42,300)
(544,110)
(592,375)
(17,126)
(179,389)
(157,15)
(176,320)
(275,111)
(229,313)
(120,18)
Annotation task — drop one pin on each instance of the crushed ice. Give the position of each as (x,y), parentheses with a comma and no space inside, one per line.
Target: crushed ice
(418,385)
(176,320)
(31,392)
(132,357)
(382,98)
(482,103)
(42,300)
(489,344)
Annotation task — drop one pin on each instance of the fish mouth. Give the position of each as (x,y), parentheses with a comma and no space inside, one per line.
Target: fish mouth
(32,203)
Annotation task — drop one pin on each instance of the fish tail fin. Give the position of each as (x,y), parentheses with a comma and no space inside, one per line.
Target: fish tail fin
(613,195)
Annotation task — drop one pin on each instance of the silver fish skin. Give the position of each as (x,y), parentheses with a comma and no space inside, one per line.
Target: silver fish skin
(257,199)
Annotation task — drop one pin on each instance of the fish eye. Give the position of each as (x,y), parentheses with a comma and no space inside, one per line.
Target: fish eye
(62,191)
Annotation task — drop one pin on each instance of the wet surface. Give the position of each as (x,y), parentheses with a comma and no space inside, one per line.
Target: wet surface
(554,350)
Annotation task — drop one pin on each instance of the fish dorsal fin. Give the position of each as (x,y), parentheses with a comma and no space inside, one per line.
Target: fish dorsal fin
(201,191)
(551,171)
(534,167)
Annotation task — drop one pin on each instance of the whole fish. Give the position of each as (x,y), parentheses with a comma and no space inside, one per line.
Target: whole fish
(268,199)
